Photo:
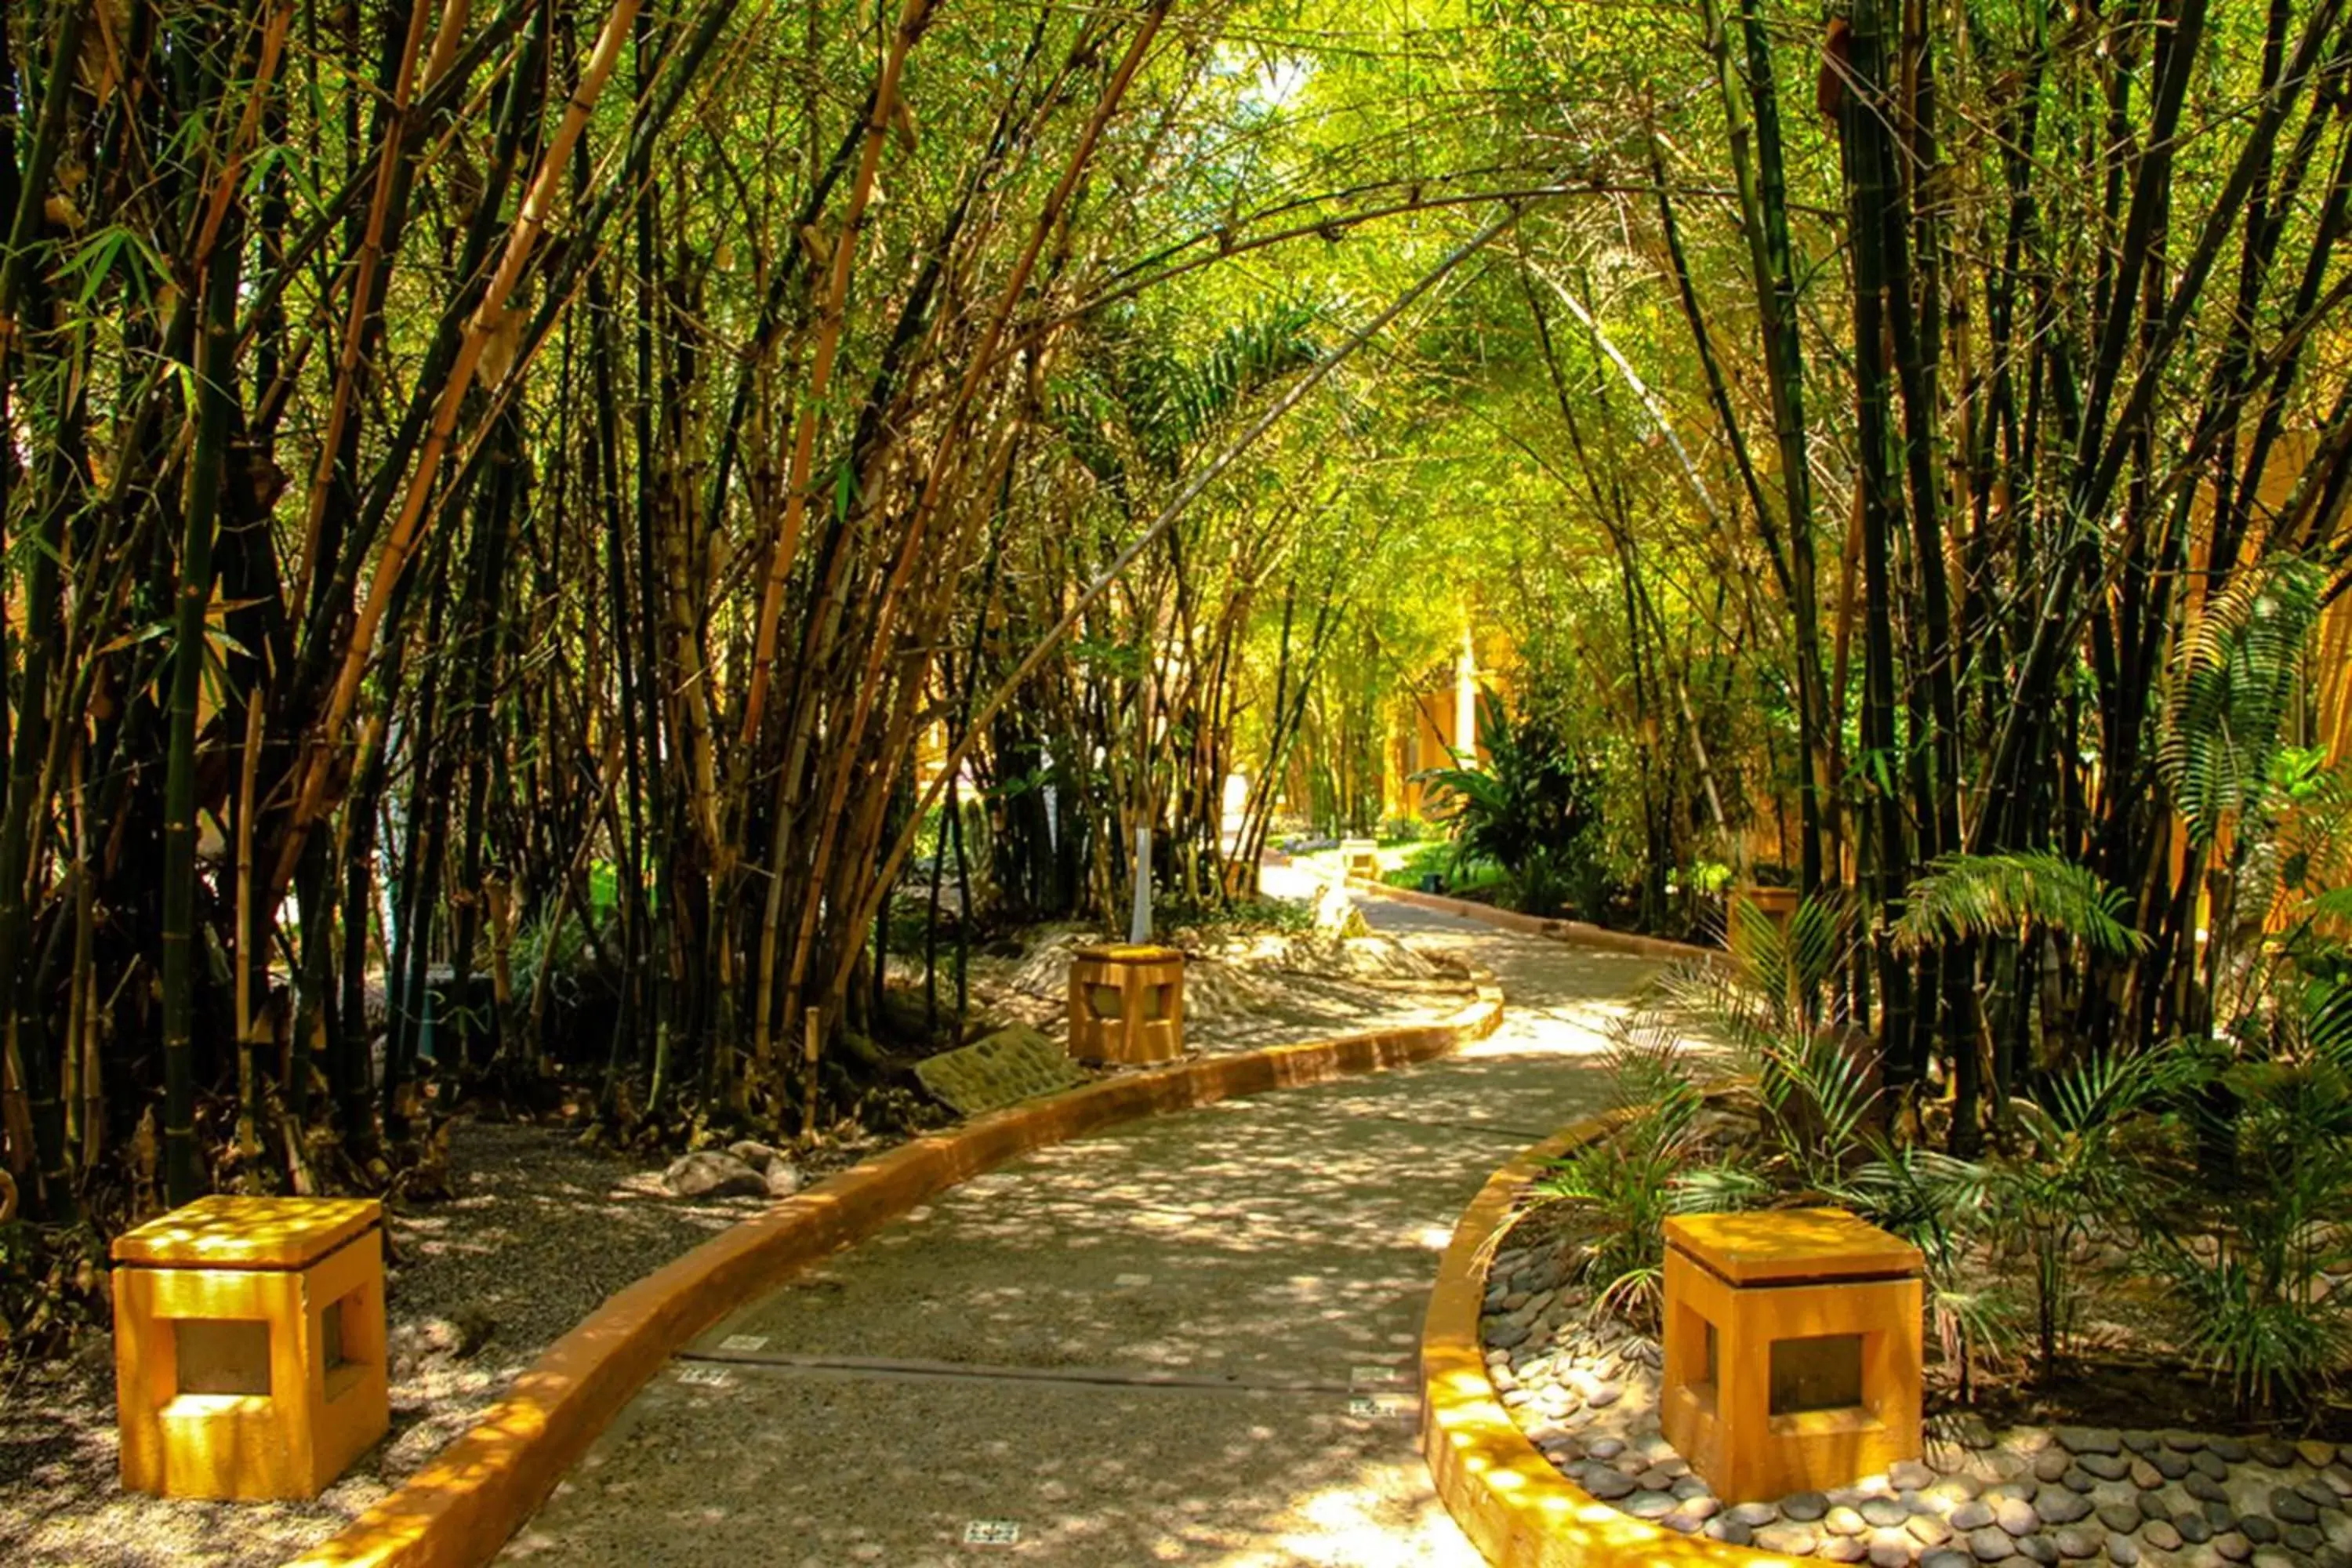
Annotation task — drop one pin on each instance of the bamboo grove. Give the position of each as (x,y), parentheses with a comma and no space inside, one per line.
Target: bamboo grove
(543,487)
(459,450)
(2090,410)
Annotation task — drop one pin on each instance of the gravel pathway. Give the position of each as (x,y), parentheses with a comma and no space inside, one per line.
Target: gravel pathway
(539,1232)
(1192,1338)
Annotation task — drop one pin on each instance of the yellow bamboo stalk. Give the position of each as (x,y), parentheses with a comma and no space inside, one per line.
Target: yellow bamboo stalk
(812,1048)
(944,456)
(455,14)
(273,50)
(356,324)
(830,321)
(487,318)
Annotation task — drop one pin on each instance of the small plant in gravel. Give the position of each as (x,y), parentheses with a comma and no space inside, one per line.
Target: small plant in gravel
(1623,1188)
(52,1287)
(1775,1004)
(1942,1205)
(2067,1175)
(2251,1273)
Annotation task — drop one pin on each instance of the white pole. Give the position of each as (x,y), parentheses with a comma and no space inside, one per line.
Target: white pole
(1139,924)
(1465,702)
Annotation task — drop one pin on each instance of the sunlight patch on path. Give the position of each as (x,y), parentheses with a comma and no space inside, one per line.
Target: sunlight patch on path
(1167,1344)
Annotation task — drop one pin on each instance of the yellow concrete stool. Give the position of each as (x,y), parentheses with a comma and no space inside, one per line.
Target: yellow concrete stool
(1126,1004)
(1361,857)
(1792,1350)
(249,1346)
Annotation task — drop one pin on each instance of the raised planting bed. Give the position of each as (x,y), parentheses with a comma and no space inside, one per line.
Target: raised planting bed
(2135,1300)
(1584,1393)
(1543,1430)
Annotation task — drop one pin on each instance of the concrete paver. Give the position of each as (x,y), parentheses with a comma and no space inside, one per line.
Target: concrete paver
(997,1355)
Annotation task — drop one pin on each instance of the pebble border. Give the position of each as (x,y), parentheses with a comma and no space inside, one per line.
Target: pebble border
(460,1509)
(1515,1506)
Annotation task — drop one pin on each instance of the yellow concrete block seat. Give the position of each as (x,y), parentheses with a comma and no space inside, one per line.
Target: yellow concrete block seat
(1126,1004)
(1792,1350)
(249,1346)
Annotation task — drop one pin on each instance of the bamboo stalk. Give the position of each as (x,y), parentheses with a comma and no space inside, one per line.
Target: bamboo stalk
(216,402)
(811,1051)
(248,1070)
(831,318)
(362,305)
(488,318)
(1186,494)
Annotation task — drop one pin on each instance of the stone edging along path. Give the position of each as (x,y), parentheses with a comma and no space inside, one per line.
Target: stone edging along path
(1509,1499)
(460,1509)
(1511,1502)
(1579,932)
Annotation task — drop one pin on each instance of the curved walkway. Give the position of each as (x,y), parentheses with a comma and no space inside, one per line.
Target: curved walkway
(1188,1339)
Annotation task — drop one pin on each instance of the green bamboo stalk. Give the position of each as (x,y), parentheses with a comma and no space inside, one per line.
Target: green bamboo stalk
(1868,168)
(216,403)
(1764,209)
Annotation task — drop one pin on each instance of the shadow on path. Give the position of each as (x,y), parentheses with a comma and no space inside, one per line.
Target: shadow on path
(979,1361)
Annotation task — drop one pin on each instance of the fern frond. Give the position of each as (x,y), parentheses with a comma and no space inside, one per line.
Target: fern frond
(1646,1061)
(2327,1022)
(2336,904)
(2233,685)
(2001,895)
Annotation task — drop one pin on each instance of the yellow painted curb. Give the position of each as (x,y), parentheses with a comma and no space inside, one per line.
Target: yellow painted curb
(459,1510)
(1581,932)
(1507,1497)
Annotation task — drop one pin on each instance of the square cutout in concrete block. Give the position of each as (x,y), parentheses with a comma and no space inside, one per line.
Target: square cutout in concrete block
(221,1356)
(332,1342)
(1822,1371)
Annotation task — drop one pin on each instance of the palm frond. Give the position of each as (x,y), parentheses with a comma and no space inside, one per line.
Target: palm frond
(1921,1194)
(1647,1061)
(1530,808)
(1725,1004)
(2094,1092)
(1819,1101)
(1176,402)
(1792,966)
(1133,406)
(2327,1021)
(1719,1188)
(2336,904)
(2003,895)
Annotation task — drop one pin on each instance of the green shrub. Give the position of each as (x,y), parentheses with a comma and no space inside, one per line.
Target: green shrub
(2068,1173)
(2250,1271)
(1533,810)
